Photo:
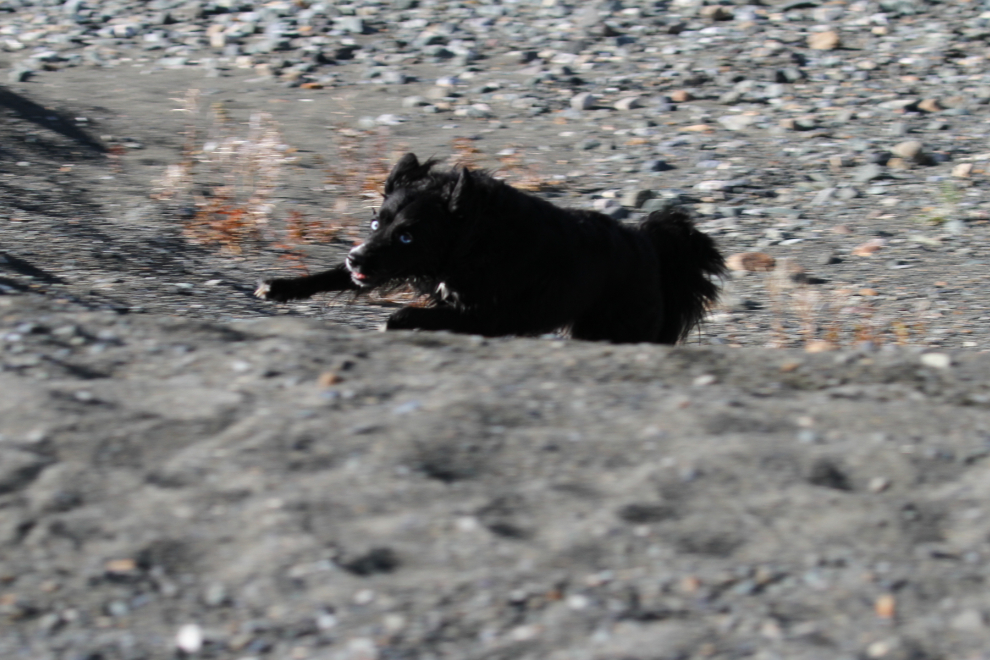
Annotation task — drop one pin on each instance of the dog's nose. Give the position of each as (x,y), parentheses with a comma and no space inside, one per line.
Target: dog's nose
(356,257)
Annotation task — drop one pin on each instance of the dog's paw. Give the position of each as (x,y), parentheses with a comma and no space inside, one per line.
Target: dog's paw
(264,289)
(274,290)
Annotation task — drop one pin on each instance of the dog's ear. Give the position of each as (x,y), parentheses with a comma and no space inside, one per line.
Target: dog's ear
(406,169)
(462,190)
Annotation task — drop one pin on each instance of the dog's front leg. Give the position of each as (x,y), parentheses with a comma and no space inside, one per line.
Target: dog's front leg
(437,318)
(297,288)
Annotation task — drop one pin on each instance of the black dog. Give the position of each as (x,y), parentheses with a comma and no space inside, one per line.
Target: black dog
(498,261)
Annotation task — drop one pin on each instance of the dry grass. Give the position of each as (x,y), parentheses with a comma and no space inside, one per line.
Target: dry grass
(361,163)
(230,174)
(818,319)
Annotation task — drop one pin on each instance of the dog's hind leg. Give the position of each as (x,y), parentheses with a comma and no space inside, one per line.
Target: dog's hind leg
(439,318)
(297,288)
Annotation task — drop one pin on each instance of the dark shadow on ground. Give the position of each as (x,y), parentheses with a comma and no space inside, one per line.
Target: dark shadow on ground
(53,120)
(8,285)
(18,265)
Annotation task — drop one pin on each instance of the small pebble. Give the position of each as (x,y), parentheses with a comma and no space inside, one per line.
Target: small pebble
(910,150)
(583,101)
(962,170)
(970,621)
(578,601)
(878,484)
(704,380)
(215,595)
(868,172)
(880,649)
(736,122)
(819,346)
(829,40)
(628,103)
(189,639)
(885,606)
(751,261)
(936,360)
(869,247)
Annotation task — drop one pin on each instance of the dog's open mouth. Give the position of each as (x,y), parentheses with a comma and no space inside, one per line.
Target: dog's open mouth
(359,278)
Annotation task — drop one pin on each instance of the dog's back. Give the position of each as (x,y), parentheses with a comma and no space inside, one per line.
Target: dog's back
(532,267)
(543,268)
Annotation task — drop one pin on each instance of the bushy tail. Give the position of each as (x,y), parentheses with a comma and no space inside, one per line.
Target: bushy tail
(689,261)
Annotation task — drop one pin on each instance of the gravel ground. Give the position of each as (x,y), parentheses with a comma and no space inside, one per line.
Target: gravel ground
(297,489)
(187,470)
(798,130)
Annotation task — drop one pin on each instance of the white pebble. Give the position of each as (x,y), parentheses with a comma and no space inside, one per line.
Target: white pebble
(710,186)
(737,122)
(583,101)
(936,360)
(406,408)
(578,601)
(468,524)
(362,648)
(968,621)
(389,120)
(523,633)
(629,103)
(325,621)
(878,484)
(189,639)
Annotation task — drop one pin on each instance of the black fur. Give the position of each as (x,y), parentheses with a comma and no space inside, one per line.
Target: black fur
(498,261)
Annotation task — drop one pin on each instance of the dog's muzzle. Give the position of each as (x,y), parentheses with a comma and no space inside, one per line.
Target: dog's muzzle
(353,262)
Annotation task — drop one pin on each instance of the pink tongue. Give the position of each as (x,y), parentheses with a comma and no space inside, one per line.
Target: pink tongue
(360,276)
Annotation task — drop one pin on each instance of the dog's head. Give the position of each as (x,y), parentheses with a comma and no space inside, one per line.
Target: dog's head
(416,226)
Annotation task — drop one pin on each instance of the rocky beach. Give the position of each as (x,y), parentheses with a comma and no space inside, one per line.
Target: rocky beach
(187,471)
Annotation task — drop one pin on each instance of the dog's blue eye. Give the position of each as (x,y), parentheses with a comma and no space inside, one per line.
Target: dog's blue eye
(374,225)
(405,238)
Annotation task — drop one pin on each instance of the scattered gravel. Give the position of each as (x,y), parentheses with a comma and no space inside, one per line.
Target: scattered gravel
(283,488)
(176,478)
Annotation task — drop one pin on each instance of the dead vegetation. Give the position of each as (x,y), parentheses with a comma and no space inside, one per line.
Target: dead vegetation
(356,175)
(804,313)
(229,173)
